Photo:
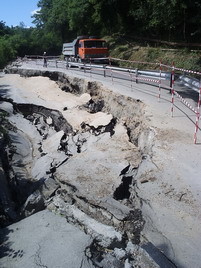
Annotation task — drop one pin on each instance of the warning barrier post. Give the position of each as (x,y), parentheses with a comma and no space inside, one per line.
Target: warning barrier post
(159,85)
(172,90)
(197,114)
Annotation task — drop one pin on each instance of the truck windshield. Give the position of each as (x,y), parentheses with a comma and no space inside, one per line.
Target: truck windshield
(94,44)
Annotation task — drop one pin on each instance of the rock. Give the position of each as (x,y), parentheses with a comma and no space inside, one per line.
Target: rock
(49,120)
(110,261)
(36,201)
(119,253)
(127,264)
(51,144)
(45,165)
(48,188)
(33,204)
(117,209)
(101,119)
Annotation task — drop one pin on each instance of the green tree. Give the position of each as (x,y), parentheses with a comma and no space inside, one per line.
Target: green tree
(172,19)
(4,29)
(41,17)
(52,17)
(7,52)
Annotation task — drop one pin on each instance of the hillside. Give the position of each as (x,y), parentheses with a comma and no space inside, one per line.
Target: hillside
(129,49)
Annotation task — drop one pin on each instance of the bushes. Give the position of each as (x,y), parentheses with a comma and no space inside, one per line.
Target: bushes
(7,52)
(22,41)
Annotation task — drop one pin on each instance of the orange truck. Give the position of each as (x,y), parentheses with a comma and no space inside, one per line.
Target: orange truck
(86,49)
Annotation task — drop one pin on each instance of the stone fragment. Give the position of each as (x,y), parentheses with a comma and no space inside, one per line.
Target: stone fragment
(49,187)
(33,204)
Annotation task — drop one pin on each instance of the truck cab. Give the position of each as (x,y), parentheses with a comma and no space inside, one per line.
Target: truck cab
(92,49)
(86,49)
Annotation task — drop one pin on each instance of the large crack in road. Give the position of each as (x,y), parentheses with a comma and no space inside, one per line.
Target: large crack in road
(86,174)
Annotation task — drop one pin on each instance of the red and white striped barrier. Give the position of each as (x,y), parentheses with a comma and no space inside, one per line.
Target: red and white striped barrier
(172,90)
(148,80)
(197,116)
(185,102)
(159,86)
(166,66)
(181,69)
(188,71)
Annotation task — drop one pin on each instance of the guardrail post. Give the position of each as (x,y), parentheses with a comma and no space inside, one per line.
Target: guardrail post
(90,67)
(56,64)
(104,70)
(111,73)
(136,75)
(67,63)
(131,77)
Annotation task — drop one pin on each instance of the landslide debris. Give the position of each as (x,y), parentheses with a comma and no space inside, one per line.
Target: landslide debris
(86,173)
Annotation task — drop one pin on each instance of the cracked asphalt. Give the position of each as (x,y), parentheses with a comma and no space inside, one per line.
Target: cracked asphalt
(49,241)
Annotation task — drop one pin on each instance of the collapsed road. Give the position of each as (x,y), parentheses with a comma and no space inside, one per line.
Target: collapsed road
(79,150)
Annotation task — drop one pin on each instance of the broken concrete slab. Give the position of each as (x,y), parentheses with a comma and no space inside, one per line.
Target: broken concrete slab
(44,239)
(33,204)
(52,143)
(117,209)
(48,188)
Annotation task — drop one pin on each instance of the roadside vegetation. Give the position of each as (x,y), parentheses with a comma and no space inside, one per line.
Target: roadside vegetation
(148,30)
(124,47)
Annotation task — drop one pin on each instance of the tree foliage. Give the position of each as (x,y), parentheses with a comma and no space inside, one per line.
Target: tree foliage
(166,19)
(58,21)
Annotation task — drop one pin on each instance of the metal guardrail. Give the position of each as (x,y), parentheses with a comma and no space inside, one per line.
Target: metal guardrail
(140,75)
(185,80)
(190,82)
